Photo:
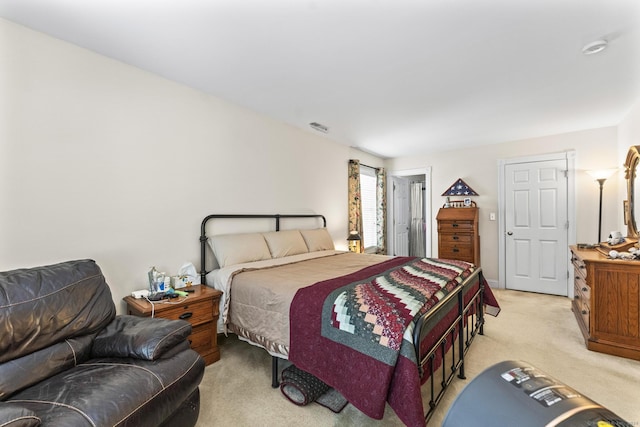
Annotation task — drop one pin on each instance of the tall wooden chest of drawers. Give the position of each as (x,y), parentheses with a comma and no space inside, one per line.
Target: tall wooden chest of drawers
(606,302)
(458,236)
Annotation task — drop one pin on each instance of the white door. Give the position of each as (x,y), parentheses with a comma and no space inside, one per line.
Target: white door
(401,216)
(536,227)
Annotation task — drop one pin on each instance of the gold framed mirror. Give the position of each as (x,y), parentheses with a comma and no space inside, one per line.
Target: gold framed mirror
(632,212)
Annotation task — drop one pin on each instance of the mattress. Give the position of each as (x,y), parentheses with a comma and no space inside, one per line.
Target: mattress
(257,295)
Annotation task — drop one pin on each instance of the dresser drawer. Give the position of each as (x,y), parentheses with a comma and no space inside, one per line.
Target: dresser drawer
(455,238)
(582,297)
(196,313)
(583,289)
(579,266)
(455,225)
(464,253)
(585,315)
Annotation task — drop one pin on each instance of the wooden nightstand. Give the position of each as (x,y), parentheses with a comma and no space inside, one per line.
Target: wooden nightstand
(200,308)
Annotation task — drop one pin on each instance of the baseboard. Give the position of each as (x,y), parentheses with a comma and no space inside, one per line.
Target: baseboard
(493,284)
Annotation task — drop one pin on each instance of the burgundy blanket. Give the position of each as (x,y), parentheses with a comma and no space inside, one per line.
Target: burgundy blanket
(355,332)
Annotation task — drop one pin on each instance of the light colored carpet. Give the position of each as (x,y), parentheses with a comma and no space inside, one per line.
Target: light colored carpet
(539,329)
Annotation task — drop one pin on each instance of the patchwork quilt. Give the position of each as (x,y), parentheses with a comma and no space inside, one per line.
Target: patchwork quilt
(355,332)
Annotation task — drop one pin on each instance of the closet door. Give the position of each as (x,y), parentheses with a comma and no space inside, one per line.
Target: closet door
(536,226)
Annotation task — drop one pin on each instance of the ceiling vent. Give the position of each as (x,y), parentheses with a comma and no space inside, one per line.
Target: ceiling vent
(319,127)
(594,47)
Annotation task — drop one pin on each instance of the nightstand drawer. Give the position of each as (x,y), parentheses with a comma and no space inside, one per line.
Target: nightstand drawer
(195,313)
(200,338)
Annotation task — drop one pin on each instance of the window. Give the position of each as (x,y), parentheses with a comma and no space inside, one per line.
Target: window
(368,200)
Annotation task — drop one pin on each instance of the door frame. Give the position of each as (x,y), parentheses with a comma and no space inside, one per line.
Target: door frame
(427,207)
(570,158)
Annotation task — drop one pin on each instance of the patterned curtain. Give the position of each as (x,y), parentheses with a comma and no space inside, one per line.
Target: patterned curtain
(381,209)
(355,203)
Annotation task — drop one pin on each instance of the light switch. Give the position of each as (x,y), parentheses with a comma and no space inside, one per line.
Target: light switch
(492,216)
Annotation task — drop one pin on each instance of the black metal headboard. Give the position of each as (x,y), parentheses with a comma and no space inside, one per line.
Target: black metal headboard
(203,236)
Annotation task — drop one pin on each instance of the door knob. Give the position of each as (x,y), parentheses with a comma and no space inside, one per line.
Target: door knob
(509,233)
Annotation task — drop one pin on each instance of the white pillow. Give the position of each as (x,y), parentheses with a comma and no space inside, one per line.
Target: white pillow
(231,249)
(285,243)
(318,239)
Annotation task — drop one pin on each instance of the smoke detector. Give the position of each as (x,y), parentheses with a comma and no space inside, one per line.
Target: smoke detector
(594,47)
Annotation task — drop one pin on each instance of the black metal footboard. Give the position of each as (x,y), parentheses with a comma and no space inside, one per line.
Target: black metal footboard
(458,318)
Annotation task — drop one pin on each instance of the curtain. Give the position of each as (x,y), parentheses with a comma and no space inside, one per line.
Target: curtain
(416,238)
(355,205)
(381,210)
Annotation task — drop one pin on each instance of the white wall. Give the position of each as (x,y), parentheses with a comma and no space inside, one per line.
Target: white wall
(101,160)
(478,167)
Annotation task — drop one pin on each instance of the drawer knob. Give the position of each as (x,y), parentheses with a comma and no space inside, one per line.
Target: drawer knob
(584,311)
(455,237)
(584,289)
(456,250)
(186,315)
(454,225)
(576,296)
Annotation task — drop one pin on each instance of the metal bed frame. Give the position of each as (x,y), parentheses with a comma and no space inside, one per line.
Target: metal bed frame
(466,301)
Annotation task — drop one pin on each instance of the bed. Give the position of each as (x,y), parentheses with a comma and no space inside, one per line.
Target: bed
(392,326)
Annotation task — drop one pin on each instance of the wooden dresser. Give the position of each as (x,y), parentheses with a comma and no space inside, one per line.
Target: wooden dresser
(200,308)
(458,236)
(607,302)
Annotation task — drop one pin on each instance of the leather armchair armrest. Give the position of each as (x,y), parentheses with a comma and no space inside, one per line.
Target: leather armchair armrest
(140,337)
(14,415)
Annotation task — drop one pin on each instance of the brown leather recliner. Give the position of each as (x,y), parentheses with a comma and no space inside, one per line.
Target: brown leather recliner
(67,360)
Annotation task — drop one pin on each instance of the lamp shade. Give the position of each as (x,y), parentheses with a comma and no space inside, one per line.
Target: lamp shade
(601,173)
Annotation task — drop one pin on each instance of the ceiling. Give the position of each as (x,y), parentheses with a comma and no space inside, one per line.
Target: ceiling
(391,77)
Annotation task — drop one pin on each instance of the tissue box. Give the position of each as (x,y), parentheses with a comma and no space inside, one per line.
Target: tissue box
(179,282)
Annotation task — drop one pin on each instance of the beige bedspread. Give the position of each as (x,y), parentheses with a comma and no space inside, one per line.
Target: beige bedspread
(260,295)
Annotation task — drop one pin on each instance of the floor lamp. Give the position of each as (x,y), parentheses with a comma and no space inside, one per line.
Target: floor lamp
(601,176)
